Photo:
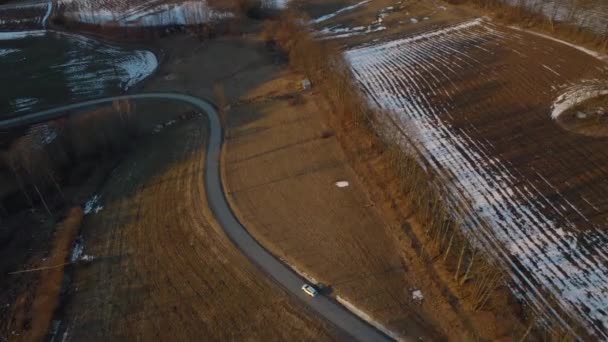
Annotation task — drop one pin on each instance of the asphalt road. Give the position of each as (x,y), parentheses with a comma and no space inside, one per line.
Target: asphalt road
(282,274)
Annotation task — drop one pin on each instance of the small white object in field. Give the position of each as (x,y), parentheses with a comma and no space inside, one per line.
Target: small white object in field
(342,184)
(414,20)
(417,296)
(581,115)
(306,84)
(87,258)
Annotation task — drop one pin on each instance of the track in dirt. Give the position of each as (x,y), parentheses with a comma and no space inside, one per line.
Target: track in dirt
(324,306)
(476,100)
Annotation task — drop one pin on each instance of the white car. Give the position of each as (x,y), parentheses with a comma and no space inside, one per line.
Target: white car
(311,291)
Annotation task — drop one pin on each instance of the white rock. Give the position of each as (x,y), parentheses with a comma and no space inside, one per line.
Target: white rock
(342,184)
(417,296)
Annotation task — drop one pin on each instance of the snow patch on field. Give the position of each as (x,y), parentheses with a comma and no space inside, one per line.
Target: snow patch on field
(77,253)
(5,52)
(21,34)
(338,32)
(93,206)
(576,95)
(275,4)
(338,12)
(138,67)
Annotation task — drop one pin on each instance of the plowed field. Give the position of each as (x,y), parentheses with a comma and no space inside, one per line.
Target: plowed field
(477,100)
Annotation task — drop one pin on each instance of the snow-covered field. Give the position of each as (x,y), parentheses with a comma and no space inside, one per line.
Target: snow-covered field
(45,69)
(149,13)
(476,101)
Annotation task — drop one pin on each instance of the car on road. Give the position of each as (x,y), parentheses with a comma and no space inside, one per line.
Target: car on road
(310,290)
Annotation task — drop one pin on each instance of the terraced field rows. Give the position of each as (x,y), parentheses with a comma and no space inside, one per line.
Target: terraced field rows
(476,101)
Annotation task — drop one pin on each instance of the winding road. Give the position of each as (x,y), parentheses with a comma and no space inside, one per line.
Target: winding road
(281,273)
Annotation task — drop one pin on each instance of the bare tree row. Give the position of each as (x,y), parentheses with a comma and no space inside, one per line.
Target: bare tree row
(40,160)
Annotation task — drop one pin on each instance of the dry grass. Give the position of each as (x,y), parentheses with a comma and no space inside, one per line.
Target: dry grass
(164,269)
(280,174)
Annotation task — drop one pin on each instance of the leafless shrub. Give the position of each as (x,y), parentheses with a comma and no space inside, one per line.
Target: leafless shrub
(327,133)
(222,103)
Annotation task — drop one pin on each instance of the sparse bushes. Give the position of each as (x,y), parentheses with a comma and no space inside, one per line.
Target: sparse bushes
(219,95)
(321,62)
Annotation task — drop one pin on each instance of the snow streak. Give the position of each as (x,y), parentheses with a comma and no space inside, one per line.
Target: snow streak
(338,12)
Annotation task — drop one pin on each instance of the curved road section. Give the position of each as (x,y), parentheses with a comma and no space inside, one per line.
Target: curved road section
(324,306)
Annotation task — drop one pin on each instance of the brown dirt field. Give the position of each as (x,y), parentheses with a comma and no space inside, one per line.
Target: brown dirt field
(280,168)
(34,309)
(238,64)
(162,270)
